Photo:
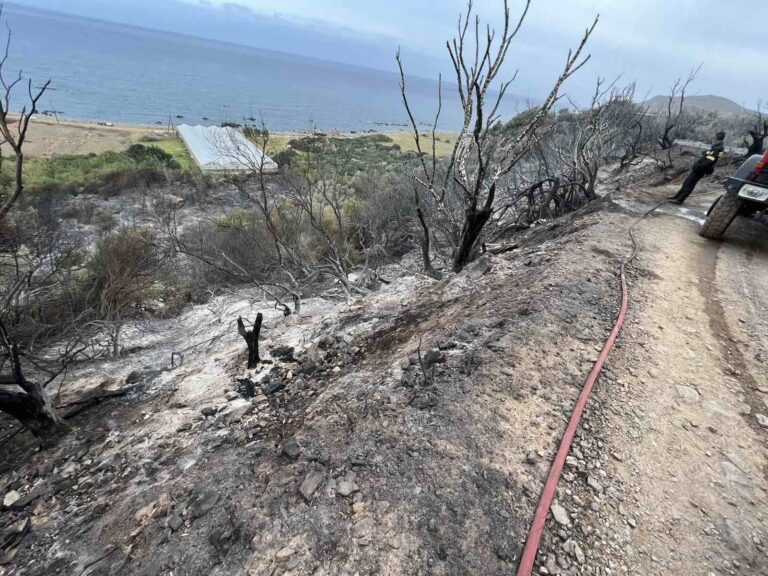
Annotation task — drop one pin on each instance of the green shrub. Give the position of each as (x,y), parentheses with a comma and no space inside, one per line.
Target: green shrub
(151,154)
(238,219)
(285,158)
(108,173)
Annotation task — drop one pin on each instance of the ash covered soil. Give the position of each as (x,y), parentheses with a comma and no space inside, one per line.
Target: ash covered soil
(410,431)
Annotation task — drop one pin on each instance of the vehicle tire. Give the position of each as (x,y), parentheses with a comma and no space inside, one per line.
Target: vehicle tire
(720,216)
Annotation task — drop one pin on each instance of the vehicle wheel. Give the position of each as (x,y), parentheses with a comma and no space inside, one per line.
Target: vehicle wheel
(720,216)
(713,205)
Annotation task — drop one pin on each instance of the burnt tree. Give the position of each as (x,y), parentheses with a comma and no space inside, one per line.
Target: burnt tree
(463,189)
(27,401)
(251,338)
(674,117)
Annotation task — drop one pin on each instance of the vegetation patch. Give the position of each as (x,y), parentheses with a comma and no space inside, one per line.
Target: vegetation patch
(105,173)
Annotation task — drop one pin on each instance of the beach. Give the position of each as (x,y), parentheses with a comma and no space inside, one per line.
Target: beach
(49,136)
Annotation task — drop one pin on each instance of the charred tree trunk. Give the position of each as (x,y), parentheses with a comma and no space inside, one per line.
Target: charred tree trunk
(34,412)
(429,270)
(473,227)
(31,405)
(474,222)
(251,338)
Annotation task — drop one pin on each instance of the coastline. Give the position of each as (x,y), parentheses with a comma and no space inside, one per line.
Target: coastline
(59,136)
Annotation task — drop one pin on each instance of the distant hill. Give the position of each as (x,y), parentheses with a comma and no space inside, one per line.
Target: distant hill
(719,104)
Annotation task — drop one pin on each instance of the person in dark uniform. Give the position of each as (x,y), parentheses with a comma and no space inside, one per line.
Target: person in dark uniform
(704,166)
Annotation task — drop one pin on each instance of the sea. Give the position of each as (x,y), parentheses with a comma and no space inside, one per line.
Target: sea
(112,72)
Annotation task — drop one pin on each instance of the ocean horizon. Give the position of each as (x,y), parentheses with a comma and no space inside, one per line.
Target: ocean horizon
(102,71)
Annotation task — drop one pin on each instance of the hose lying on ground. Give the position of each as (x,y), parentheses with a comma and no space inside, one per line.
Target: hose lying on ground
(540,517)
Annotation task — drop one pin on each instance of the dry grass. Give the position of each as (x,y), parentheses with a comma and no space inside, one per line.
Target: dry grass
(443,145)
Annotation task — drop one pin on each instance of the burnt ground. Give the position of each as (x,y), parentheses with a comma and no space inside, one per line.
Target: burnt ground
(411,435)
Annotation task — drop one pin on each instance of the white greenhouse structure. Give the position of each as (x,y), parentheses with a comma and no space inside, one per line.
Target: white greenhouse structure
(217,149)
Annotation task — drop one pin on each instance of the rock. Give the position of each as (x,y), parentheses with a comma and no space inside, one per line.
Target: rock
(204,503)
(448,345)
(209,411)
(326,342)
(479,267)
(579,554)
(310,484)
(734,474)
(593,483)
(291,448)
(274,385)
(172,201)
(363,527)
(559,514)
(14,534)
(36,492)
(238,413)
(551,566)
(632,522)
(762,419)
(11,498)
(284,554)
(231,395)
(144,513)
(175,522)
(69,470)
(346,487)
(531,458)
(144,376)
(423,401)
(432,357)
(309,366)
(358,507)
(574,550)
(687,394)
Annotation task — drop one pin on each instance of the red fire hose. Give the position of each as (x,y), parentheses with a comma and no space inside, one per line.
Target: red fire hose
(540,518)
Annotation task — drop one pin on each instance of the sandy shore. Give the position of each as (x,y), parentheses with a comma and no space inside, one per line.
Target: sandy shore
(49,136)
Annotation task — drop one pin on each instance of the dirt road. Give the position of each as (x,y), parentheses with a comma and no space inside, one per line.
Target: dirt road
(680,409)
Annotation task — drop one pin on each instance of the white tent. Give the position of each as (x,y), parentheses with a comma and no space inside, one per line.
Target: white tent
(217,149)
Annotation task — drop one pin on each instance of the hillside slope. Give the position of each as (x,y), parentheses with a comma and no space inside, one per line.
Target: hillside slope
(702,104)
(411,431)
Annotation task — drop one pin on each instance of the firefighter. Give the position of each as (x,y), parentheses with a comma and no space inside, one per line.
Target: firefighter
(704,166)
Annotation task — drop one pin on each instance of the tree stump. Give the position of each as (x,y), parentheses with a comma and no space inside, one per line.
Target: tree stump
(251,338)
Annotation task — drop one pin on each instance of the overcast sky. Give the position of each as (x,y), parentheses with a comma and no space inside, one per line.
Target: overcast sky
(650,41)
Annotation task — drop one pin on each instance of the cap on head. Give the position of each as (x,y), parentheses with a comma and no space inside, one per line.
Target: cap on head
(720,136)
